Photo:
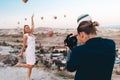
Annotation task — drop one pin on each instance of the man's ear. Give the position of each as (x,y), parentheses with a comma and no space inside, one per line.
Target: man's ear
(82,35)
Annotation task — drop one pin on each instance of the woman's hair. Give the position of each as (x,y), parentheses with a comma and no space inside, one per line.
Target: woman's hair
(88,27)
(24,28)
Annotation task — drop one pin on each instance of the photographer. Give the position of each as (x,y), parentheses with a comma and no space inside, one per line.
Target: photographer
(94,59)
(70,42)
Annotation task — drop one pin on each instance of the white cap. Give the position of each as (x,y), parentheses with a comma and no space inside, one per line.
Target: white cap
(83,17)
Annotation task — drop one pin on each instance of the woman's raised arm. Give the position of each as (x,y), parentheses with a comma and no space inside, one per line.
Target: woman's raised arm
(32,23)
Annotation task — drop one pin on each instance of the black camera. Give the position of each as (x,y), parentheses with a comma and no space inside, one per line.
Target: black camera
(70,41)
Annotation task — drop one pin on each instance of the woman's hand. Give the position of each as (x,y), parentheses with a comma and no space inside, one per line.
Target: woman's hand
(20,55)
(32,16)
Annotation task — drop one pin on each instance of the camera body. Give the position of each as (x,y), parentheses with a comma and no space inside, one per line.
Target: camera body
(70,41)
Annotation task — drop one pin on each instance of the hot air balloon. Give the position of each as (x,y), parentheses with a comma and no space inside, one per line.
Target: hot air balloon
(25,19)
(64,16)
(55,17)
(50,33)
(42,18)
(18,22)
(25,1)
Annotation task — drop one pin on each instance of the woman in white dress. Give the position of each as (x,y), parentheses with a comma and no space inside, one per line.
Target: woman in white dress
(29,40)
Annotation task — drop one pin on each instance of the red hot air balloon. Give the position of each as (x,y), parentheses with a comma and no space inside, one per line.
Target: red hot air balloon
(50,33)
(55,17)
(25,1)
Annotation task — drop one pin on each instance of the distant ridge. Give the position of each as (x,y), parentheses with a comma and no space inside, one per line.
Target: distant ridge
(111,26)
(43,28)
(48,28)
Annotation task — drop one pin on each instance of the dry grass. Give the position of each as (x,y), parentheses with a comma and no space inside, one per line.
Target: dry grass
(117,72)
(65,74)
(116,69)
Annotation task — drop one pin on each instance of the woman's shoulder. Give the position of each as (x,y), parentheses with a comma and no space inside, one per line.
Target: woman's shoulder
(25,35)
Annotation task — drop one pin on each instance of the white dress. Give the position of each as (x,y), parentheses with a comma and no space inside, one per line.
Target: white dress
(30,50)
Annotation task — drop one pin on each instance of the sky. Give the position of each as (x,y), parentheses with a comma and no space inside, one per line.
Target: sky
(12,12)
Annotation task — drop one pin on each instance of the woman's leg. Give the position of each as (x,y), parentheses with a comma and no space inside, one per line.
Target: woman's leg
(26,66)
(22,65)
(29,73)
